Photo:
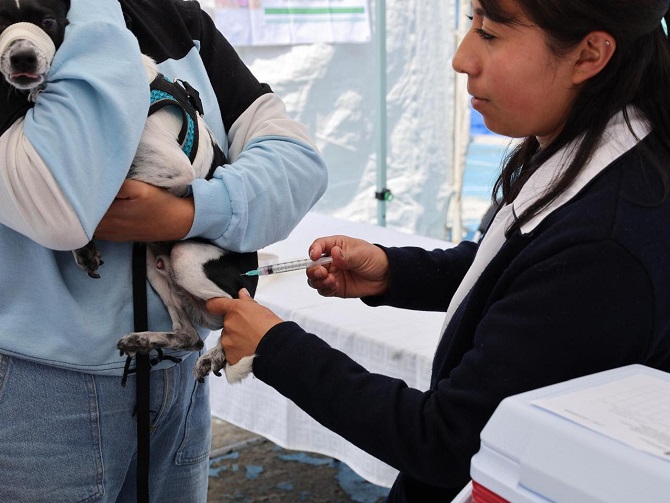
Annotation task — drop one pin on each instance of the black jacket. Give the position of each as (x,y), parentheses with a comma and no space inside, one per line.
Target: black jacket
(587,290)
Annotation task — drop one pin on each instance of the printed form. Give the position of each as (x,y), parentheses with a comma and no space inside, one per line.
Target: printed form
(634,410)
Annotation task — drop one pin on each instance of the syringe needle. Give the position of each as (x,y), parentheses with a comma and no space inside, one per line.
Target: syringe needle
(293,265)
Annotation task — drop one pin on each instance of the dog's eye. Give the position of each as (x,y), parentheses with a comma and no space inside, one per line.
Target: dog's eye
(49,23)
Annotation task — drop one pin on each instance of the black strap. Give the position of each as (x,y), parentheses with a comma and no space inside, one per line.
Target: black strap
(143,372)
(218,160)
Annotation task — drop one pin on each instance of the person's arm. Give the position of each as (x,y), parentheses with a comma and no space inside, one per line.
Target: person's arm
(276,173)
(580,311)
(358,269)
(144,212)
(424,280)
(63,164)
(407,277)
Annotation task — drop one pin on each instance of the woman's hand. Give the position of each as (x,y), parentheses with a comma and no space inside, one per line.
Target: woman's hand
(143,212)
(358,269)
(245,322)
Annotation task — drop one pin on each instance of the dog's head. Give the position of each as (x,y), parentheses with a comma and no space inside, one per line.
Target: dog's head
(30,33)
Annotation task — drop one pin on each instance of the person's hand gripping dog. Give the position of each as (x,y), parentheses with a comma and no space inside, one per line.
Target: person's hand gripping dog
(358,269)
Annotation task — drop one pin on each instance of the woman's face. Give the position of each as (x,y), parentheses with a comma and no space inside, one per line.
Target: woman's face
(518,85)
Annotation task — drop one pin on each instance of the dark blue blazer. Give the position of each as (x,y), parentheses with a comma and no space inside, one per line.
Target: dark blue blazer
(587,290)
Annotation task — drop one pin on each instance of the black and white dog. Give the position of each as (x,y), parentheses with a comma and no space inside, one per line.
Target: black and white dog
(186,273)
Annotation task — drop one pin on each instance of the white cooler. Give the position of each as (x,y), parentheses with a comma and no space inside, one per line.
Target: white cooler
(601,438)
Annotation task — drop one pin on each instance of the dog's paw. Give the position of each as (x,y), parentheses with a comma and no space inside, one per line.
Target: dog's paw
(212,361)
(137,342)
(89,259)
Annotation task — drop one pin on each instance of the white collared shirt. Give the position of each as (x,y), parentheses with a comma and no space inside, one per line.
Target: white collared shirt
(616,141)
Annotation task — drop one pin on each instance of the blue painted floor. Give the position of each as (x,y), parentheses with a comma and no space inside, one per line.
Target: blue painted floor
(263,471)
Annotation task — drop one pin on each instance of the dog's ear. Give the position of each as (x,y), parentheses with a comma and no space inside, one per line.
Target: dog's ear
(62,23)
(13,105)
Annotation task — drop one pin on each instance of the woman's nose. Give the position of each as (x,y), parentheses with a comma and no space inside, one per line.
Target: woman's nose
(464,60)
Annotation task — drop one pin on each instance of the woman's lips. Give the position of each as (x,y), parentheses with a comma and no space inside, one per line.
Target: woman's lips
(477,103)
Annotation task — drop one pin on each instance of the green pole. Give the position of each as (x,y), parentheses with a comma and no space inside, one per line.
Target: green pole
(382,194)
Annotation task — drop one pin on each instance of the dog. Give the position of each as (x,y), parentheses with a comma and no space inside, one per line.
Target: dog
(25,56)
(185,274)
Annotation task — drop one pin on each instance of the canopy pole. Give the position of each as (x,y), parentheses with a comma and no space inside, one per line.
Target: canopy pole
(461,132)
(382,194)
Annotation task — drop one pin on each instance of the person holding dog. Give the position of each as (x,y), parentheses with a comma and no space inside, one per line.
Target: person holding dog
(67,426)
(571,278)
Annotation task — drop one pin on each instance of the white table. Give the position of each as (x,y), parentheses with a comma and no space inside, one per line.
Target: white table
(395,342)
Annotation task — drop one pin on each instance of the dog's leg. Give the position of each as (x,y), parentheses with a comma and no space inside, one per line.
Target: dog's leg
(188,260)
(88,258)
(235,373)
(184,335)
(206,271)
(185,275)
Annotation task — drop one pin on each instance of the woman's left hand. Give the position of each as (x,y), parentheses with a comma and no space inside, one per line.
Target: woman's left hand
(245,323)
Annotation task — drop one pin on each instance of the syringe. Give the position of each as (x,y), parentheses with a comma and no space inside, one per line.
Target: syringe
(293,265)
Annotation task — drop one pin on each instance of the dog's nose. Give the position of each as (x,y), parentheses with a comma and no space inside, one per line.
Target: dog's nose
(24,61)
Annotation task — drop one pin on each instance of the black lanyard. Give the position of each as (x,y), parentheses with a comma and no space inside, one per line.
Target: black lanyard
(142,372)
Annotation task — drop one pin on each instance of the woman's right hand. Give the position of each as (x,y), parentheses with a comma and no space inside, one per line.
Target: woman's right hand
(358,269)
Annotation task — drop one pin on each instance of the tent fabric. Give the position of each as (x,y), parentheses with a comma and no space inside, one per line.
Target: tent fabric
(331,88)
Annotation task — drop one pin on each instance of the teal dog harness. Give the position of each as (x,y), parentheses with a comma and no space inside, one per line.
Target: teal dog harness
(181,94)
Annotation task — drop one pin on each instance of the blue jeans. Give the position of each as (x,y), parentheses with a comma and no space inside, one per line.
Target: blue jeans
(70,437)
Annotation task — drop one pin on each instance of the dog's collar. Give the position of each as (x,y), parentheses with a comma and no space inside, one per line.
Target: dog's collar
(179,93)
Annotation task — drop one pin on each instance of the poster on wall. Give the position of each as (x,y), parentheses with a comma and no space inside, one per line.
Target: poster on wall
(290,22)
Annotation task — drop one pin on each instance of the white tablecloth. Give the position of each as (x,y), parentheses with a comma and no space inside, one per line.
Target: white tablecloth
(395,342)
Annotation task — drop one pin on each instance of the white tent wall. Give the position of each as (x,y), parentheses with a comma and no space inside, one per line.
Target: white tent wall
(332,89)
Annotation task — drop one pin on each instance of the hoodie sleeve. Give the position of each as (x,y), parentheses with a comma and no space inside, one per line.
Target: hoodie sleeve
(63,163)
(276,173)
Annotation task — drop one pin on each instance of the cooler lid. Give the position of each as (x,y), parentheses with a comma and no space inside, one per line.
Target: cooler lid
(604,437)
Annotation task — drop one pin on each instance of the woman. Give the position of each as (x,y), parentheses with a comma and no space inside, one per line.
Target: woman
(571,278)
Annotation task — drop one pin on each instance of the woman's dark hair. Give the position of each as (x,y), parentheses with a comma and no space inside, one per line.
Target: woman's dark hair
(637,74)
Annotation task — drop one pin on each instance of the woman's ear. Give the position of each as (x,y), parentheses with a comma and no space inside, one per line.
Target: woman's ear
(593,54)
